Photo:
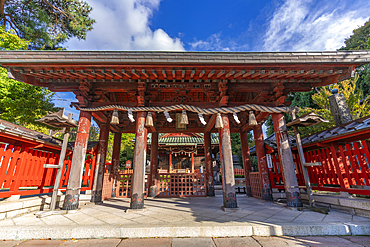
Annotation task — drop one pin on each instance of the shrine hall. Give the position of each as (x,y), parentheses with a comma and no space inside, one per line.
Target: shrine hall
(145,92)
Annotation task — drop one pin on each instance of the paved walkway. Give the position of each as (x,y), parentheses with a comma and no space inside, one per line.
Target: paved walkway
(201,242)
(182,217)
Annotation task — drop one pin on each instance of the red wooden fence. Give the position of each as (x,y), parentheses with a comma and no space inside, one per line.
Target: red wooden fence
(22,171)
(344,168)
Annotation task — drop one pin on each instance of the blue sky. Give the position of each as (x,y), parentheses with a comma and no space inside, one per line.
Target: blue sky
(204,25)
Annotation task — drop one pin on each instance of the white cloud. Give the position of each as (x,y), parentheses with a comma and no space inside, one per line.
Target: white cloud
(303,25)
(124,25)
(216,43)
(64,100)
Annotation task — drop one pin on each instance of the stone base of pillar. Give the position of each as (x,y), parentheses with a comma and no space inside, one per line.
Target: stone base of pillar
(230,200)
(293,200)
(210,191)
(153,191)
(266,195)
(71,202)
(96,197)
(137,202)
(249,191)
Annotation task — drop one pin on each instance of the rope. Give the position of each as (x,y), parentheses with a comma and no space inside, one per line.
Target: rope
(224,110)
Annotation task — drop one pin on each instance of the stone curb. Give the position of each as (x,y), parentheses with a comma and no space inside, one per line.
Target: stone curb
(94,232)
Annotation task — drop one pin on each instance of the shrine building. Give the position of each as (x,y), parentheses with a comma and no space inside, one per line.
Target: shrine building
(181,92)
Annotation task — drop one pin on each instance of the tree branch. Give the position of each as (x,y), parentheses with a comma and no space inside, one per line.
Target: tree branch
(2,6)
(62,12)
(12,23)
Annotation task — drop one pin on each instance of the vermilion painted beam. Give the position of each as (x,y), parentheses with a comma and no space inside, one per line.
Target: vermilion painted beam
(71,199)
(100,165)
(137,196)
(208,161)
(246,161)
(228,180)
(262,163)
(115,161)
(286,158)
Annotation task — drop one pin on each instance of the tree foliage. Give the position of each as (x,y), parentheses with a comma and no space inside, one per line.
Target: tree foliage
(127,149)
(46,23)
(21,103)
(359,40)
(358,105)
(236,145)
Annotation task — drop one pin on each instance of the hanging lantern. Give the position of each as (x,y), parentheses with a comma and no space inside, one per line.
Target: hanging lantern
(168,117)
(149,120)
(130,115)
(201,118)
(252,119)
(184,118)
(219,124)
(236,118)
(115,118)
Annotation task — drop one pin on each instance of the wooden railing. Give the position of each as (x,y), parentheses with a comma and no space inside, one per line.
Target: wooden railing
(22,172)
(344,168)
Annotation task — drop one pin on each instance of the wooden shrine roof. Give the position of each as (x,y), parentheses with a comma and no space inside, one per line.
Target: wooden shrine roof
(203,79)
(173,57)
(175,139)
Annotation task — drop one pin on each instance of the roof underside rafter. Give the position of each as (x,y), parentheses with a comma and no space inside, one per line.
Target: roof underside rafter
(204,79)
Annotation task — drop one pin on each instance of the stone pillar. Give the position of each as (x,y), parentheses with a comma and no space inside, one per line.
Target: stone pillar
(209,167)
(192,162)
(138,183)
(228,180)
(71,200)
(339,108)
(262,162)
(97,190)
(115,161)
(246,161)
(286,157)
(153,166)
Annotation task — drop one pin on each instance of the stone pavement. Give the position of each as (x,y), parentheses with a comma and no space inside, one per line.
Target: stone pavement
(182,217)
(200,242)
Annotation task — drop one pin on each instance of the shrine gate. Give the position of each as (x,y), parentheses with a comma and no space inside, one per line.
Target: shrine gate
(181,92)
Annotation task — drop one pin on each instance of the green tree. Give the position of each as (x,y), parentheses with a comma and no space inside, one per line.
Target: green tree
(21,103)
(359,39)
(46,23)
(358,105)
(127,149)
(236,145)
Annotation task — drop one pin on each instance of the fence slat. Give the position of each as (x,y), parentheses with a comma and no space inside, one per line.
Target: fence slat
(353,165)
(362,164)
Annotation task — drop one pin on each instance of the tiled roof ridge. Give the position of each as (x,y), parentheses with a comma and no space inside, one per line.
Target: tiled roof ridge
(81,57)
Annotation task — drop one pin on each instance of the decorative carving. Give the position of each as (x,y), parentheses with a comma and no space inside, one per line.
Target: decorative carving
(181,98)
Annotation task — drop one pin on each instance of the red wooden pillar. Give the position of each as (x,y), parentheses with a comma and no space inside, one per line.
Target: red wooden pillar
(209,167)
(192,162)
(138,183)
(153,166)
(246,161)
(262,163)
(71,199)
(228,180)
(170,162)
(100,165)
(115,161)
(286,157)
